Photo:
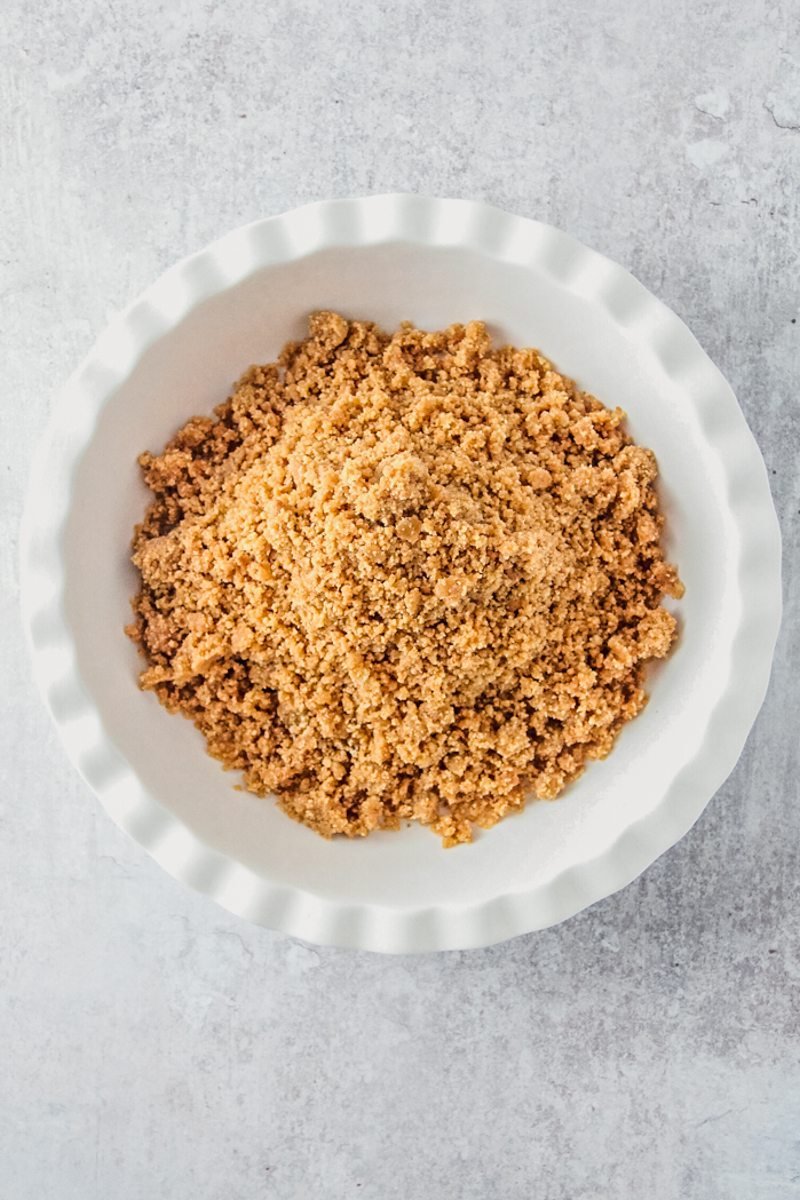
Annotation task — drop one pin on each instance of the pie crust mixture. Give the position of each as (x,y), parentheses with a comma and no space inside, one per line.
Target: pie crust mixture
(403,577)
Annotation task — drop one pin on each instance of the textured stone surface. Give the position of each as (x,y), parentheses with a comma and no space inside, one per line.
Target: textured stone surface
(154,1046)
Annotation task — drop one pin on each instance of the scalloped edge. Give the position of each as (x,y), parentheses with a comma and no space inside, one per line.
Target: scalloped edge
(359,222)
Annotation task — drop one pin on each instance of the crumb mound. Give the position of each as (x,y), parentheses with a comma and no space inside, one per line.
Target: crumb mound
(403,577)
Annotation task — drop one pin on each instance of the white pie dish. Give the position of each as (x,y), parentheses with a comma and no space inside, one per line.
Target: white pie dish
(176,351)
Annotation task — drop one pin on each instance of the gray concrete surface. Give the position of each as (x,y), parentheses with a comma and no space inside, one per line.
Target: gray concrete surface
(153,1046)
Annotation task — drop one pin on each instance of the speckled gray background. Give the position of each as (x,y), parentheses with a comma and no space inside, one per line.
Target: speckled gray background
(153,1046)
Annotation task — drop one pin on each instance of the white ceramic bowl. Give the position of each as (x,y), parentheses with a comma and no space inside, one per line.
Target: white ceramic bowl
(177,350)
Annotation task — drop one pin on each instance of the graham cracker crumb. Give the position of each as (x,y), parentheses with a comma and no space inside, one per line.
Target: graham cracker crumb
(406,577)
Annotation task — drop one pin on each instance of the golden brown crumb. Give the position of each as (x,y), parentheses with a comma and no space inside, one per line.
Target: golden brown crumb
(403,577)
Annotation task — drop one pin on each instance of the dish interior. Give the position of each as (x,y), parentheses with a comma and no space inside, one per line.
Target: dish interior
(192,367)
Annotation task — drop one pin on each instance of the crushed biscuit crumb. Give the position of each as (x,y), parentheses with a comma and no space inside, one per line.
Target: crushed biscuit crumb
(403,577)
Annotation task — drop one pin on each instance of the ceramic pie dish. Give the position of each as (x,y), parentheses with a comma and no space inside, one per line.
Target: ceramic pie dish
(176,351)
